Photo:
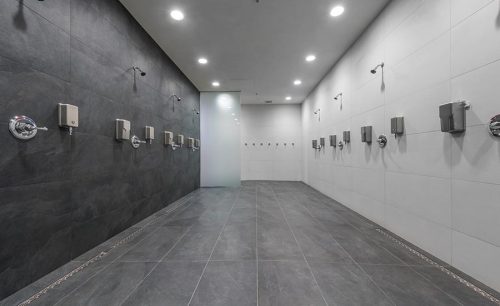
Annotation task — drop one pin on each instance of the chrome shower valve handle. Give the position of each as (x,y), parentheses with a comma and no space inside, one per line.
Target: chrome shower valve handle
(136,142)
(24,128)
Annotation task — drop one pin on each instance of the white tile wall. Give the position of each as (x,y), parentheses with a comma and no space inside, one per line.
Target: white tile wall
(273,126)
(437,190)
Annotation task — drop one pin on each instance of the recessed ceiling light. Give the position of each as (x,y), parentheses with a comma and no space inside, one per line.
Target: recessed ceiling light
(297,82)
(288,98)
(177,15)
(202,60)
(310,58)
(215,84)
(337,11)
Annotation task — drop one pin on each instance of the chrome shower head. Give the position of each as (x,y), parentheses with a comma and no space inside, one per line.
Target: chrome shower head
(374,70)
(197,112)
(177,98)
(140,70)
(338,96)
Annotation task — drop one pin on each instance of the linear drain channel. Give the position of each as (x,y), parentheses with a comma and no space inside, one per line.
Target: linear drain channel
(100,256)
(442,268)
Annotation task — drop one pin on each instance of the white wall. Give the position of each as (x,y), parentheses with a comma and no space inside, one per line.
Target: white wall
(438,191)
(271,124)
(220,139)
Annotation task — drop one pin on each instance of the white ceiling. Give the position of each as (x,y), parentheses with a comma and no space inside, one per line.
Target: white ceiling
(255,48)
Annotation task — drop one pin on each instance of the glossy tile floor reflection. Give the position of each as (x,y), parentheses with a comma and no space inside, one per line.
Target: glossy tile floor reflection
(266,243)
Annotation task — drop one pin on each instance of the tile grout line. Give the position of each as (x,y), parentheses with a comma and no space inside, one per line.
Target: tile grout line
(236,197)
(300,247)
(442,268)
(99,257)
(257,242)
(349,254)
(411,267)
(155,266)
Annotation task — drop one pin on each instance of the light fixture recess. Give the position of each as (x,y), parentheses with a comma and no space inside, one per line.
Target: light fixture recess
(337,11)
(177,15)
(310,58)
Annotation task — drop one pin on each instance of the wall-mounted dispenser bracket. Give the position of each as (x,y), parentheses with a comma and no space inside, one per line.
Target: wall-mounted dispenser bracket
(136,142)
(149,134)
(453,117)
(397,126)
(347,137)
(333,141)
(197,144)
(24,128)
(68,116)
(366,134)
(122,131)
(191,144)
(321,143)
(168,138)
(315,145)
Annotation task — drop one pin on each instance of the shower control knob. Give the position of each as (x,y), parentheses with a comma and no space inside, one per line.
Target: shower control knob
(494,126)
(341,145)
(382,141)
(136,142)
(24,128)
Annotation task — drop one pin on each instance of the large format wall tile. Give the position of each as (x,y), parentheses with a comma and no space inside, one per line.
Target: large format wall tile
(65,194)
(424,184)
(475,40)
(476,211)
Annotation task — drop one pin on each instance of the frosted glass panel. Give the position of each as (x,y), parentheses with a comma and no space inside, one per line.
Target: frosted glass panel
(220,139)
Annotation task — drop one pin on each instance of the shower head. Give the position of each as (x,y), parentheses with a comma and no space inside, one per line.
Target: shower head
(140,70)
(338,96)
(197,112)
(177,98)
(317,111)
(374,70)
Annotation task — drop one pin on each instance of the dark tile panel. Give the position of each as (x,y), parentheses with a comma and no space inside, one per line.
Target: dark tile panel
(31,40)
(57,11)
(36,220)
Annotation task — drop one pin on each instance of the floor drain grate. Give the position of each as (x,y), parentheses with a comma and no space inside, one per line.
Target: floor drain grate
(442,268)
(98,257)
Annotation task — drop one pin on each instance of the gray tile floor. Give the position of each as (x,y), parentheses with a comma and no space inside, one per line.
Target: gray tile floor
(266,243)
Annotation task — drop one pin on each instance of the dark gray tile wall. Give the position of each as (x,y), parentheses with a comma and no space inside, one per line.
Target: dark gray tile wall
(61,195)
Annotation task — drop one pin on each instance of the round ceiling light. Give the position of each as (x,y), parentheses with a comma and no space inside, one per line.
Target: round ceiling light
(310,58)
(288,98)
(215,84)
(337,11)
(202,61)
(177,15)
(297,82)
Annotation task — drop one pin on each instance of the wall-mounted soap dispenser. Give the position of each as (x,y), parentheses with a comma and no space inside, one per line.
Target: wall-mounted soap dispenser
(397,126)
(68,116)
(168,138)
(333,141)
(179,140)
(347,136)
(149,134)
(122,129)
(452,116)
(197,144)
(315,144)
(321,143)
(366,134)
(191,144)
